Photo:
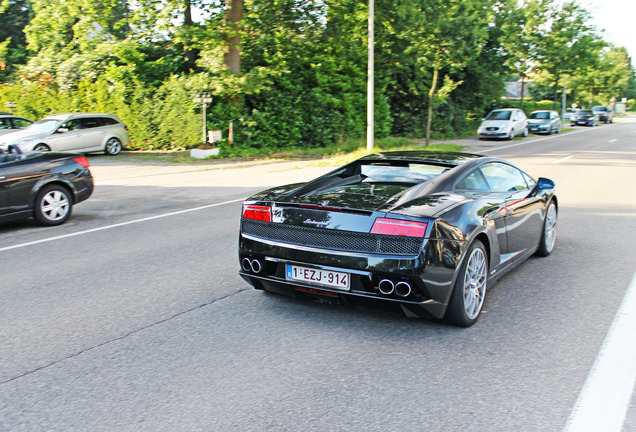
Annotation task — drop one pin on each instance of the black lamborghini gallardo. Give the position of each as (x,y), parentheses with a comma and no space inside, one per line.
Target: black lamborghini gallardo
(420,232)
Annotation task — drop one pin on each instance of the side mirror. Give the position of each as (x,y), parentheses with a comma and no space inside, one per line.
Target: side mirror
(544,183)
(61,130)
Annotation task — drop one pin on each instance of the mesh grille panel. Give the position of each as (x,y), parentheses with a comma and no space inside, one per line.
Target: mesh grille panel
(332,239)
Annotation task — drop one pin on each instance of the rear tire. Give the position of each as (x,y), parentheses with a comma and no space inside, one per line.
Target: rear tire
(469,290)
(113,147)
(53,205)
(549,232)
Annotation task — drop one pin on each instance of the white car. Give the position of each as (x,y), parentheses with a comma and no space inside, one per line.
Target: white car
(79,132)
(504,123)
(569,112)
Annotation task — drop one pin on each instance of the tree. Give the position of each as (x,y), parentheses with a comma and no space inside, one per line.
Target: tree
(14,16)
(233,16)
(445,36)
(605,78)
(522,31)
(568,45)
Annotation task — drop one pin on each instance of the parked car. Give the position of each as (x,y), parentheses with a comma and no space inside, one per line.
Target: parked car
(503,123)
(10,123)
(544,122)
(569,112)
(605,114)
(584,118)
(420,232)
(83,132)
(43,185)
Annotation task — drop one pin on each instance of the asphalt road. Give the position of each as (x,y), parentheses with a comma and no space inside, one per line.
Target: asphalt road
(131,317)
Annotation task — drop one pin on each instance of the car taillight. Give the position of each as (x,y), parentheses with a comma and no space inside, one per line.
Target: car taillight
(262,213)
(398,227)
(83,161)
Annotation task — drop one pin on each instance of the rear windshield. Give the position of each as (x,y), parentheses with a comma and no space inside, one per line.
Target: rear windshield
(399,172)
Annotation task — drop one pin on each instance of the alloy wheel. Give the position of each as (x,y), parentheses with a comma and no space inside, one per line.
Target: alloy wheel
(550,228)
(475,283)
(55,205)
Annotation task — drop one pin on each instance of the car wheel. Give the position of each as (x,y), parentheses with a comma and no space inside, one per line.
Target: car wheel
(42,148)
(511,135)
(53,205)
(548,235)
(113,147)
(469,290)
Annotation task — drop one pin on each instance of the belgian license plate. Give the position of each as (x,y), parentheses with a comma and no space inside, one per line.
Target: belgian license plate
(318,276)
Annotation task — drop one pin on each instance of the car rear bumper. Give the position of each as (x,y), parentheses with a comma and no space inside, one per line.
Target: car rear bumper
(426,280)
(426,309)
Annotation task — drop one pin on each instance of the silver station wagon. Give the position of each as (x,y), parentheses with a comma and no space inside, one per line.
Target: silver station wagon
(78,132)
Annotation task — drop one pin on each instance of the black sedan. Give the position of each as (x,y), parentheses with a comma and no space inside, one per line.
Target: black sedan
(585,118)
(420,232)
(42,185)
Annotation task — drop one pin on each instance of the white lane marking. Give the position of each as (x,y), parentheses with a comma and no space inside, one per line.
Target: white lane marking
(613,140)
(604,400)
(530,142)
(563,159)
(118,225)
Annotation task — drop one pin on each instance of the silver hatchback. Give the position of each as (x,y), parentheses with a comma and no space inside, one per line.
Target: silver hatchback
(80,132)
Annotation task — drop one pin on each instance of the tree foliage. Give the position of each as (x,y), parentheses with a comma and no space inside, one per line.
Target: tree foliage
(292,73)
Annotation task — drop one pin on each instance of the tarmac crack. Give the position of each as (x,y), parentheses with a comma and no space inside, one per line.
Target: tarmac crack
(122,337)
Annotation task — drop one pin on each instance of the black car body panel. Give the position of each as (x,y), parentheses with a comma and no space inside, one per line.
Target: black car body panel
(23,175)
(328,226)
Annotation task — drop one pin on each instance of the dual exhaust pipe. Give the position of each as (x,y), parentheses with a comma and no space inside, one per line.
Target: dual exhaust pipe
(251,265)
(402,289)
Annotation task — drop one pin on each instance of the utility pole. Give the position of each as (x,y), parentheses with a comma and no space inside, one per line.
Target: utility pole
(370,83)
(563,99)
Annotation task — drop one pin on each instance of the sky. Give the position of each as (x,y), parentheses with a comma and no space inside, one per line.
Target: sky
(618,18)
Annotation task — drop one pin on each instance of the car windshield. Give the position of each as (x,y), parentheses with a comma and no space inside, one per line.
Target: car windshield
(540,115)
(584,114)
(43,126)
(499,115)
(599,109)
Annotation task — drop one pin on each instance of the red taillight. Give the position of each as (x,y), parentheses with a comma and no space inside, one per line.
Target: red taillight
(83,161)
(398,227)
(262,213)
